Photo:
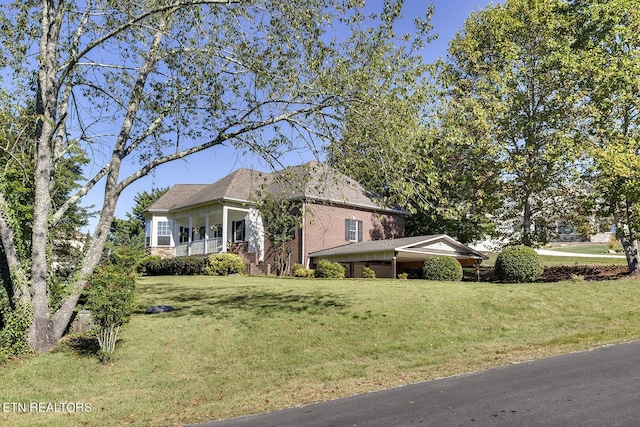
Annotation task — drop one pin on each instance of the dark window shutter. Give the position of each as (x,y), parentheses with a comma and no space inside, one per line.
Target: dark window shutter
(346,229)
(359,231)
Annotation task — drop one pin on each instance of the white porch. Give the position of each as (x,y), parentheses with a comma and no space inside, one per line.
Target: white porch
(201,247)
(210,229)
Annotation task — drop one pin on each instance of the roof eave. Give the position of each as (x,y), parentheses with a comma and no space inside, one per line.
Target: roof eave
(346,203)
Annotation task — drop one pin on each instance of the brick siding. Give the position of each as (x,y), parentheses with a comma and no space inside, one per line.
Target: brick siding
(325,226)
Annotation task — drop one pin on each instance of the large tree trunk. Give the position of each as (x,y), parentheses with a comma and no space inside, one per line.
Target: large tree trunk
(526,223)
(40,333)
(46,329)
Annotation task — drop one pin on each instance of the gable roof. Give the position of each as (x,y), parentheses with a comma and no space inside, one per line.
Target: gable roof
(407,247)
(175,196)
(310,181)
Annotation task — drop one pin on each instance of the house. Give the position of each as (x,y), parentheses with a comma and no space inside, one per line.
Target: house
(334,212)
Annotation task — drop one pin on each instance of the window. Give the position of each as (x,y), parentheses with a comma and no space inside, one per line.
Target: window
(352,230)
(183,235)
(216,231)
(164,233)
(198,234)
(238,231)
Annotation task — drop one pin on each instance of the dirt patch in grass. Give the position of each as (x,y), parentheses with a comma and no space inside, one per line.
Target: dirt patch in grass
(585,272)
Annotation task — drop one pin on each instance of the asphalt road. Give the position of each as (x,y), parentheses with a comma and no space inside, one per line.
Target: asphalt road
(600,387)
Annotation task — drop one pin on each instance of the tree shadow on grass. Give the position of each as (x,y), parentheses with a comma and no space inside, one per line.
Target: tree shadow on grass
(81,345)
(217,302)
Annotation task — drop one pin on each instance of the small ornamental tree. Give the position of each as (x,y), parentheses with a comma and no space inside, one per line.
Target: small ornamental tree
(518,264)
(442,267)
(110,299)
(280,224)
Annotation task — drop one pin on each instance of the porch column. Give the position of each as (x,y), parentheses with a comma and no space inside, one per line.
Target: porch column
(176,237)
(225,215)
(394,267)
(206,231)
(190,235)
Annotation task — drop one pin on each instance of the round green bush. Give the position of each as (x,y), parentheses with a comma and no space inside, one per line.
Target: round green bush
(518,264)
(440,267)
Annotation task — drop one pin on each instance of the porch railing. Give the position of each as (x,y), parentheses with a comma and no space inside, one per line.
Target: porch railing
(197,247)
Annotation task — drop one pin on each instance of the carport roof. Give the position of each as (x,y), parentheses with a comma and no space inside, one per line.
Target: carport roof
(406,248)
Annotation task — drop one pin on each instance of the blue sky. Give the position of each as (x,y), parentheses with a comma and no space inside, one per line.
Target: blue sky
(210,165)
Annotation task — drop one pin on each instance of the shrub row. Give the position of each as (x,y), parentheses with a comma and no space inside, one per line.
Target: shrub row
(216,264)
(514,264)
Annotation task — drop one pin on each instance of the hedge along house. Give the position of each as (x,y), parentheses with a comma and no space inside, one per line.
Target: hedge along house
(390,257)
(334,210)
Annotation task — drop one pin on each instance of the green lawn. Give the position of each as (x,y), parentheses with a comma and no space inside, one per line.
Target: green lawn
(550,260)
(589,248)
(240,345)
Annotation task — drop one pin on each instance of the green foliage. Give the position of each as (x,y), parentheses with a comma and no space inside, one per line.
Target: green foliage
(14,330)
(299,270)
(178,266)
(224,264)
(403,276)
(368,273)
(110,299)
(330,270)
(141,266)
(518,264)
(110,296)
(606,60)
(515,98)
(440,267)
(221,264)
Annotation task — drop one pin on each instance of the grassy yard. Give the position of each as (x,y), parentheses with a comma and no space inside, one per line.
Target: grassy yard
(240,345)
(550,260)
(588,248)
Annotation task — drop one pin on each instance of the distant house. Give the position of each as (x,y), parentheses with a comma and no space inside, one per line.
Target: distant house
(335,212)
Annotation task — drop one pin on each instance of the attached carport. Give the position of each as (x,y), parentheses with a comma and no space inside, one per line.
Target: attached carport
(389,257)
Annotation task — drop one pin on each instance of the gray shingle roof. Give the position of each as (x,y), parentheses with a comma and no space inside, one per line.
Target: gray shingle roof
(403,244)
(374,245)
(312,180)
(175,196)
